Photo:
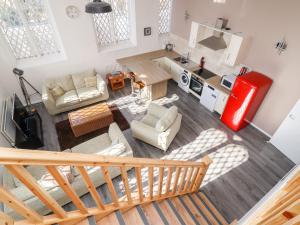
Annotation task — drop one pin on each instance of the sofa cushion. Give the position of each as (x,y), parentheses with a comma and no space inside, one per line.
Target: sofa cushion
(86,93)
(94,145)
(36,171)
(90,81)
(167,119)
(65,82)
(78,78)
(57,91)
(69,98)
(150,120)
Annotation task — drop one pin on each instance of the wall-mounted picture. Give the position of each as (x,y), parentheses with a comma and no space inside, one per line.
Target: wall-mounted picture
(147,31)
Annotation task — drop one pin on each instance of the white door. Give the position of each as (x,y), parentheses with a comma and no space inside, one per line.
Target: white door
(287,136)
(221,102)
(209,97)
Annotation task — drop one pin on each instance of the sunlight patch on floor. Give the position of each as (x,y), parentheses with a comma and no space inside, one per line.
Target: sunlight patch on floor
(207,140)
(224,160)
(128,102)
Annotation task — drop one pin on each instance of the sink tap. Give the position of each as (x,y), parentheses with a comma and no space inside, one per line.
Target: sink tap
(188,55)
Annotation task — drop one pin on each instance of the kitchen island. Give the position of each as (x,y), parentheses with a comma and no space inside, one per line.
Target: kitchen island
(154,77)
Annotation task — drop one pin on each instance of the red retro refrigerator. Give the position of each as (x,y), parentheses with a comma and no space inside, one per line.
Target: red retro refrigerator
(246,96)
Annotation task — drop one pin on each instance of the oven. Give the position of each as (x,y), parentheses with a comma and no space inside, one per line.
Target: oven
(196,86)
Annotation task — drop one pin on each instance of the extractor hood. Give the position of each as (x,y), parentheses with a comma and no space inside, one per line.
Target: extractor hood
(216,41)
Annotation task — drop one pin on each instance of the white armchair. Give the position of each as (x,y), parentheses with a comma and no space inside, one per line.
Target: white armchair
(159,127)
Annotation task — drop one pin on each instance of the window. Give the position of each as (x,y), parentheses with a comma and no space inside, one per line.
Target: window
(112,28)
(27,29)
(165,12)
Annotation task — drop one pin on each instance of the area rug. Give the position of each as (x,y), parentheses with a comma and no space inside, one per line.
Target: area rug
(67,139)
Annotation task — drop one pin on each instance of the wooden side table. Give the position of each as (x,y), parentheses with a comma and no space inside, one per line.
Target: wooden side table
(116,82)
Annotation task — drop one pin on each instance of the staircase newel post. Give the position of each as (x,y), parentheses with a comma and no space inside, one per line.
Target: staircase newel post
(201,174)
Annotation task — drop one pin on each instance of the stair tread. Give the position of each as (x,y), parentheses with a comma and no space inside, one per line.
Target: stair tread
(212,208)
(108,220)
(205,211)
(182,212)
(132,217)
(197,215)
(152,215)
(168,213)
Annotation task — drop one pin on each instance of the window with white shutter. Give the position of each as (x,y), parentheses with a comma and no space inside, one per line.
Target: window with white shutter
(26,27)
(165,12)
(114,27)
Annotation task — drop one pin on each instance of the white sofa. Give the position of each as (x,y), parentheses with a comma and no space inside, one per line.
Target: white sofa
(106,144)
(159,127)
(75,92)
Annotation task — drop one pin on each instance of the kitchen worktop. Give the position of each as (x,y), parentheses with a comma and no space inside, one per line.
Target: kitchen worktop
(216,83)
(148,72)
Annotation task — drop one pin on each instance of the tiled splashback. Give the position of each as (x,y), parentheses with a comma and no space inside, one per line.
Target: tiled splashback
(213,59)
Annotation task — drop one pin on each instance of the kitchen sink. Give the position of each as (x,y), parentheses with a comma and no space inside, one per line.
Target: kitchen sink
(181,59)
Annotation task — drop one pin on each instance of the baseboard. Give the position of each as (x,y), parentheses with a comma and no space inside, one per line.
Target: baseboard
(261,130)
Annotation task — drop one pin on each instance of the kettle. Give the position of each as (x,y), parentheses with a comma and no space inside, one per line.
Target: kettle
(169,47)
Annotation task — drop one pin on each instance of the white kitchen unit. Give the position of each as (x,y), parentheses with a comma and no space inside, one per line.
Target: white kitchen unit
(233,50)
(287,136)
(234,42)
(209,97)
(169,66)
(221,102)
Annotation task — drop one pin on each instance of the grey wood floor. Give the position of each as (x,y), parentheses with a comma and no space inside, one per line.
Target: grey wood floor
(245,165)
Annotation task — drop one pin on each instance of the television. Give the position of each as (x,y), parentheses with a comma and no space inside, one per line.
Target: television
(19,113)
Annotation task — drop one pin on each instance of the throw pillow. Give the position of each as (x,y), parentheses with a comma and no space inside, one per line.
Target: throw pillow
(90,81)
(167,119)
(57,91)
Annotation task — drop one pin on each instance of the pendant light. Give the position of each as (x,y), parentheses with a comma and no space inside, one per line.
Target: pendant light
(98,6)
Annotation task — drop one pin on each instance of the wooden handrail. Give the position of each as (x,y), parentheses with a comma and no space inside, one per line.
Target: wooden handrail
(182,177)
(11,156)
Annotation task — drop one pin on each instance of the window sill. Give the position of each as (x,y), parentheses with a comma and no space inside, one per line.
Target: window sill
(33,62)
(116,47)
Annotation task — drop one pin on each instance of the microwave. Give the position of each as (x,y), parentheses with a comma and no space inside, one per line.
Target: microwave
(227,81)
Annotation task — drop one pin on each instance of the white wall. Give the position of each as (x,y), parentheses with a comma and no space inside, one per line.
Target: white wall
(264,23)
(79,42)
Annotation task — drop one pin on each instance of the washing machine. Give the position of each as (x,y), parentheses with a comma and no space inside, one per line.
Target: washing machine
(184,80)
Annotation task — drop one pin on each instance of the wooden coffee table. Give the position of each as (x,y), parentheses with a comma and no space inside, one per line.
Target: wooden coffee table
(89,119)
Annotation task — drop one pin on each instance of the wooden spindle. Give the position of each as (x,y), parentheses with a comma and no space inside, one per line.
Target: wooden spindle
(169,179)
(161,180)
(68,189)
(188,179)
(183,175)
(110,185)
(126,183)
(9,199)
(194,177)
(90,186)
(139,182)
(177,174)
(30,182)
(207,161)
(6,219)
(150,180)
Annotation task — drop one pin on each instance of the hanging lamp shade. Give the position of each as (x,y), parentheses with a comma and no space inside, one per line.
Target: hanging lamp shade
(98,6)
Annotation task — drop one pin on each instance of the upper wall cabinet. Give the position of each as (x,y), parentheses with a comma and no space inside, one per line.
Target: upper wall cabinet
(221,41)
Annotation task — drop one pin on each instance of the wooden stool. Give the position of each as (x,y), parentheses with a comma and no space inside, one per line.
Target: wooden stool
(139,85)
(116,82)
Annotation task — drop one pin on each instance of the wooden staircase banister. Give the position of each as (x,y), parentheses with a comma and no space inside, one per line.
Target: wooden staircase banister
(173,178)
(11,156)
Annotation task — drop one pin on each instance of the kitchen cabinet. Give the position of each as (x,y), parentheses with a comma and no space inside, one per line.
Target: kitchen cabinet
(286,138)
(176,70)
(194,35)
(233,50)
(209,97)
(169,66)
(221,102)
